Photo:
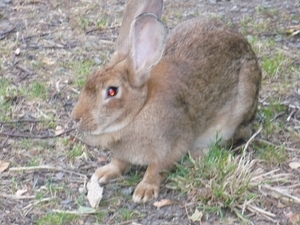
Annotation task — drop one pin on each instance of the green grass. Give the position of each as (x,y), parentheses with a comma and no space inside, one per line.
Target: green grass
(268,114)
(34,161)
(57,219)
(272,155)
(102,22)
(37,90)
(23,143)
(125,214)
(274,64)
(81,69)
(76,151)
(219,181)
(7,93)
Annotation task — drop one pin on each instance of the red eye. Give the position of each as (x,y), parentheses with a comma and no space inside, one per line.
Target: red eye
(112,91)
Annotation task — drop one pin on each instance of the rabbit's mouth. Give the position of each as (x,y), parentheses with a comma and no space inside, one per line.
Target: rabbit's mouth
(106,129)
(99,139)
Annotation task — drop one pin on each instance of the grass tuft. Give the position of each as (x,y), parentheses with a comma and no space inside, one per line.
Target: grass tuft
(56,218)
(218,181)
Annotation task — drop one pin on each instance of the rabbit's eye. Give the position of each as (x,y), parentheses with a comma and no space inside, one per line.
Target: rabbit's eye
(112,91)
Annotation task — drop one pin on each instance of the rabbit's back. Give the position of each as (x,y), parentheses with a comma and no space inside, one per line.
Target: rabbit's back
(210,74)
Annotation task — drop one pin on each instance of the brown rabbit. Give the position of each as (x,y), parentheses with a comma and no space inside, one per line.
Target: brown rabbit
(161,97)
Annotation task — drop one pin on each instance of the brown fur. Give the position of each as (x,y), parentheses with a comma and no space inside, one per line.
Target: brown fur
(205,84)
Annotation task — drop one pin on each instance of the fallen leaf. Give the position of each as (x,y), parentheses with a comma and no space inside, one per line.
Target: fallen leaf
(48,61)
(293,30)
(95,192)
(3,166)
(162,203)
(85,210)
(59,130)
(20,192)
(197,216)
(293,217)
(18,51)
(294,165)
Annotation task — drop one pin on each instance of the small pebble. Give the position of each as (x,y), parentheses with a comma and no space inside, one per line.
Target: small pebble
(97,61)
(213,1)
(278,38)
(127,191)
(66,201)
(234,9)
(59,175)
(244,10)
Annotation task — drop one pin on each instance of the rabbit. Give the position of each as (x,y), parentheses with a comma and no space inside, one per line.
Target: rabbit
(164,95)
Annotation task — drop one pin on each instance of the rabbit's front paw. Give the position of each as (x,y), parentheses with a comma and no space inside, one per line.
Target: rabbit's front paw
(145,192)
(110,171)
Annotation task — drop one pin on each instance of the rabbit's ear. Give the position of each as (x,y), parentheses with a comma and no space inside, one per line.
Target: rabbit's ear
(147,39)
(133,9)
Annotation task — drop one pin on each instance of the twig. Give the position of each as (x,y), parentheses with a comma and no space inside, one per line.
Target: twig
(37,35)
(15,197)
(277,116)
(261,211)
(264,174)
(75,212)
(291,115)
(24,121)
(251,139)
(6,139)
(24,69)
(38,202)
(58,46)
(282,193)
(293,106)
(270,143)
(102,30)
(3,34)
(45,167)
(37,136)
(103,41)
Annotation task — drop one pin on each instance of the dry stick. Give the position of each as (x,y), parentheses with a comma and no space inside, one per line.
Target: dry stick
(103,30)
(74,212)
(16,197)
(38,202)
(264,174)
(250,140)
(246,145)
(37,136)
(57,46)
(3,34)
(45,167)
(282,193)
(24,69)
(270,143)
(263,212)
(291,115)
(37,35)
(6,139)
(24,121)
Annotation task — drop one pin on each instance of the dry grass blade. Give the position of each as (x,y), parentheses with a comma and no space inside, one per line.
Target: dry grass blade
(46,167)
(282,191)
(16,197)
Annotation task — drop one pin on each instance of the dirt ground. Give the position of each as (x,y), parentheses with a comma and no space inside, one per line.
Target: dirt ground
(48,48)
